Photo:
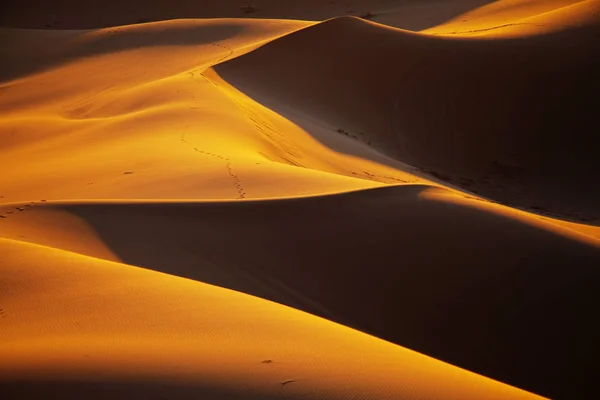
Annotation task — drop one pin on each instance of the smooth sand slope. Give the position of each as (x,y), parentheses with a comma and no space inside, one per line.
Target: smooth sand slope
(343,169)
(98,329)
(160,125)
(503,16)
(414,15)
(510,118)
(74,14)
(474,284)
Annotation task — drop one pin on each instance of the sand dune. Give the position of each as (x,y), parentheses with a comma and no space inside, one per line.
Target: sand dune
(299,207)
(73,14)
(504,17)
(377,272)
(391,82)
(181,131)
(98,325)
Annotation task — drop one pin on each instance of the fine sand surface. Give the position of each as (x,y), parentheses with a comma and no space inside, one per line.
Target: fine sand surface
(276,203)
(75,14)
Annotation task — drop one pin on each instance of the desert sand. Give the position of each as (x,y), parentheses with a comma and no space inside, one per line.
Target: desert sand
(299,199)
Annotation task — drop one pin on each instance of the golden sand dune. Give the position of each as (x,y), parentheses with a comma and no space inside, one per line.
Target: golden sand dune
(448,105)
(497,286)
(162,125)
(178,197)
(96,327)
(75,14)
(521,17)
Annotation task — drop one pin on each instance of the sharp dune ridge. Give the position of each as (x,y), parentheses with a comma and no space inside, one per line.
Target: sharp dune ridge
(546,82)
(316,200)
(79,44)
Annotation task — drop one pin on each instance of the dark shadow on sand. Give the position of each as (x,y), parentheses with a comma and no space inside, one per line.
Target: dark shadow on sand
(481,291)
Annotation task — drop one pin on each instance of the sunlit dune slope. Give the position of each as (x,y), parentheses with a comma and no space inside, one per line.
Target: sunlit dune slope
(33,51)
(416,15)
(160,125)
(95,326)
(344,168)
(472,283)
(509,118)
(503,16)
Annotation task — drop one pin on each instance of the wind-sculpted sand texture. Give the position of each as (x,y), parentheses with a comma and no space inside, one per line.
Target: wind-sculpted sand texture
(299,200)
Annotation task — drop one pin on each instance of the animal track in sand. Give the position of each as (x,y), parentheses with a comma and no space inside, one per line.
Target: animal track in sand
(380,178)
(236,180)
(24,207)
(263,126)
(225,57)
(192,73)
(238,184)
(502,26)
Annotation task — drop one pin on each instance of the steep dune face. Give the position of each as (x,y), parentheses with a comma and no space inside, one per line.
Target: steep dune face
(495,116)
(470,283)
(95,326)
(162,124)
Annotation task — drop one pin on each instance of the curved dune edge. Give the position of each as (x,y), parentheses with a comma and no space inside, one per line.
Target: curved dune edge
(520,17)
(18,216)
(405,14)
(386,94)
(434,270)
(163,125)
(288,197)
(141,332)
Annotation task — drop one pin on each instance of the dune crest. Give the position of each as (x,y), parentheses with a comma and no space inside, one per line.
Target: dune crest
(389,92)
(520,17)
(491,256)
(391,200)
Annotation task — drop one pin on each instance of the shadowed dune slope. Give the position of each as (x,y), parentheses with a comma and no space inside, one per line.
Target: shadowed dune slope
(162,124)
(96,328)
(415,15)
(510,118)
(74,14)
(33,51)
(325,168)
(475,284)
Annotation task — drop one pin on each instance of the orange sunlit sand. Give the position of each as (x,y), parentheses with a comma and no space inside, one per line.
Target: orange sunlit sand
(286,199)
